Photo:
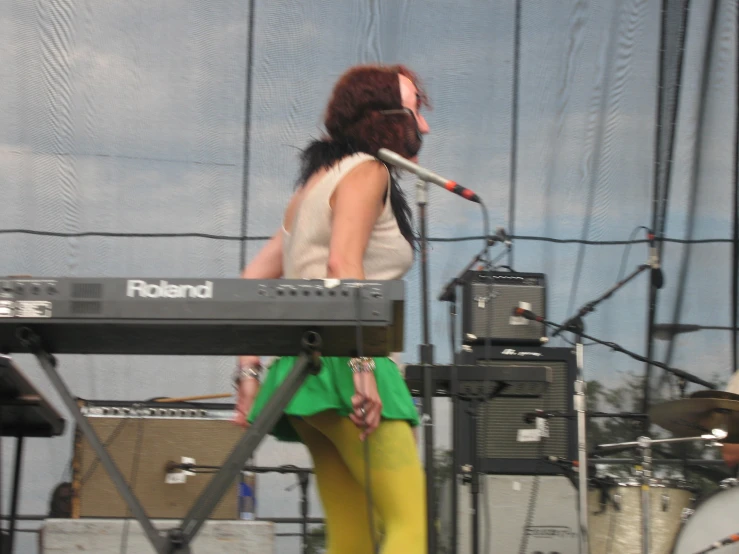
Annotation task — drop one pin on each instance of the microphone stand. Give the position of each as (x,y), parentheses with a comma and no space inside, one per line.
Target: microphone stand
(577,327)
(449,294)
(590,306)
(426,355)
(613,346)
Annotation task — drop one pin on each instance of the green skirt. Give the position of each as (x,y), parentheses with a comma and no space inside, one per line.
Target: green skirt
(332,389)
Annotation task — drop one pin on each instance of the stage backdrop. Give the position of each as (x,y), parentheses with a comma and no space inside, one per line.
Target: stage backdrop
(186,119)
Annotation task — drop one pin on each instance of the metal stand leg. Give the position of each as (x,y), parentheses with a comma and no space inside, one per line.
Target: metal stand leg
(16,493)
(48,363)
(582,450)
(475,477)
(646,475)
(178,540)
(307,363)
(303,480)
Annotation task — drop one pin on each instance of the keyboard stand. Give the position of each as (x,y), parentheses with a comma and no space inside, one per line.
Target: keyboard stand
(177,540)
(24,412)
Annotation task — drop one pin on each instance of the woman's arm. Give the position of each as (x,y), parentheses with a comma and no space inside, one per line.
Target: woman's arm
(356,204)
(267,264)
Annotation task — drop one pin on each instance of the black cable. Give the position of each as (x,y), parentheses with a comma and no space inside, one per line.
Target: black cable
(367,475)
(659,215)
(476,429)
(621,271)
(485,231)
(1,466)
(455,413)
(132,484)
(247,135)
(514,125)
(467,238)
(533,495)
(735,250)
(627,248)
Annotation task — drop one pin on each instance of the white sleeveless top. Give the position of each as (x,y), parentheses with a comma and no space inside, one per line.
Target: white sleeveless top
(306,247)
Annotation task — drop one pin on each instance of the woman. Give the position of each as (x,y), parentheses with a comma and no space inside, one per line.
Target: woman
(349,219)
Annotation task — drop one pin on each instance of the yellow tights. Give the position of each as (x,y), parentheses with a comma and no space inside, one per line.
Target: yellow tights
(396,477)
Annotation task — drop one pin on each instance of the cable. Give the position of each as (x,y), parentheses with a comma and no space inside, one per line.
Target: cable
(367,475)
(134,476)
(468,238)
(735,249)
(621,271)
(532,500)
(627,248)
(533,496)
(513,161)
(246,149)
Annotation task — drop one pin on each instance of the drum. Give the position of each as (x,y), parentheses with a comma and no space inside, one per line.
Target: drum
(713,518)
(615,515)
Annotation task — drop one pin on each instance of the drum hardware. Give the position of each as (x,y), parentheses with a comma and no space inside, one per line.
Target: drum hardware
(712,516)
(615,526)
(575,325)
(715,412)
(644,475)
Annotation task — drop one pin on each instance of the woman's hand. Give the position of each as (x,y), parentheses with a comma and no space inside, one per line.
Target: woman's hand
(366,403)
(246,391)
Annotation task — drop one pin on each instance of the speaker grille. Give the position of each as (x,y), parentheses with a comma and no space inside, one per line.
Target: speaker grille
(489,301)
(502,418)
(141,448)
(498,445)
(87,290)
(90,307)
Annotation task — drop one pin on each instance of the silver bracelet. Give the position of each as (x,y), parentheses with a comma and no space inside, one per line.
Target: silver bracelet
(362,365)
(245,373)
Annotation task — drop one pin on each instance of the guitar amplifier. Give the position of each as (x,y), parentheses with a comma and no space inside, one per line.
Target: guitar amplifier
(506,443)
(142,438)
(488,301)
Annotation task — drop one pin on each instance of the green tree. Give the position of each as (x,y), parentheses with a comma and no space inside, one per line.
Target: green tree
(316,539)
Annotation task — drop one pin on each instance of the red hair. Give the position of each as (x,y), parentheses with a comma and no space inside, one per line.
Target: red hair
(359,96)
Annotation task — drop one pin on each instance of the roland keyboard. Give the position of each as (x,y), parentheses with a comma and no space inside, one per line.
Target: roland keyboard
(201,316)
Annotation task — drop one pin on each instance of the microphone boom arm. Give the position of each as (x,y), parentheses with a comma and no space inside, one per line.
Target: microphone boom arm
(527,314)
(590,306)
(447,293)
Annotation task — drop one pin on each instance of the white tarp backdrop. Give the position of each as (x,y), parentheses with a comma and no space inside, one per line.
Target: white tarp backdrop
(131,116)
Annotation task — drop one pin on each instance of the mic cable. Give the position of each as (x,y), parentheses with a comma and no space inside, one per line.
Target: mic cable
(365,446)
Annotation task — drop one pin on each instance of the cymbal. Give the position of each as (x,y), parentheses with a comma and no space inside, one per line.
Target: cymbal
(699,414)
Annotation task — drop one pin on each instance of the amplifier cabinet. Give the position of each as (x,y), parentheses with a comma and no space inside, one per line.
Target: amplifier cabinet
(142,438)
(488,301)
(506,443)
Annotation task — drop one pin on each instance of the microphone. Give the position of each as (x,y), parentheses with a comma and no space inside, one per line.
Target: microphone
(399,161)
(527,314)
(502,236)
(665,331)
(558,460)
(530,417)
(657,278)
